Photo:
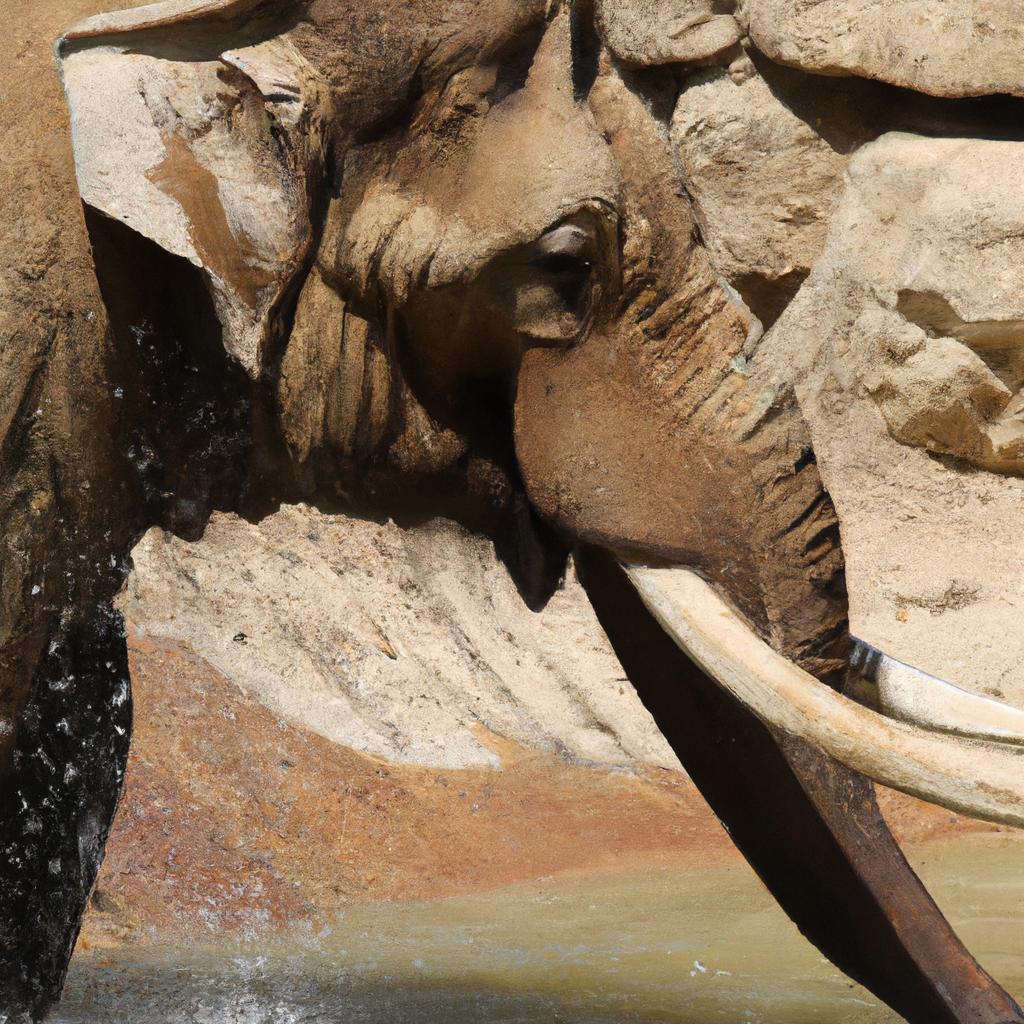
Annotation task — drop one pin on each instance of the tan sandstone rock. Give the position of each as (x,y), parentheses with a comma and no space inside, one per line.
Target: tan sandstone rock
(646,32)
(764,181)
(942,47)
(915,312)
(209,159)
(399,643)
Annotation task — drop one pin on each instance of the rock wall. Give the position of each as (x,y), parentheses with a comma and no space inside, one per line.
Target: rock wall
(331,711)
(403,644)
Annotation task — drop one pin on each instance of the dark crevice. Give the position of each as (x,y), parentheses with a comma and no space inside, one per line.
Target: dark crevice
(514,61)
(848,111)
(820,500)
(807,458)
(585,48)
(59,803)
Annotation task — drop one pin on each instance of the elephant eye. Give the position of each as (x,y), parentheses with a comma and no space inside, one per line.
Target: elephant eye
(555,282)
(570,276)
(562,263)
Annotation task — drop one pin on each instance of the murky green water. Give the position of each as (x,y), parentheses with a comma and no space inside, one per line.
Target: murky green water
(667,945)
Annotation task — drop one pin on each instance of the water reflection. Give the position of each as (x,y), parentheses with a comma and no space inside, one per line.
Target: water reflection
(664,945)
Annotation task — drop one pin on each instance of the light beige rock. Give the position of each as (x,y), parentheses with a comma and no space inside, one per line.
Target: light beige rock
(647,32)
(209,159)
(941,47)
(910,331)
(399,643)
(764,182)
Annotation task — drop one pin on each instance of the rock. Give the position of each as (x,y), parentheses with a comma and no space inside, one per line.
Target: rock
(911,331)
(764,181)
(648,32)
(941,47)
(329,710)
(214,160)
(399,643)
(763,149)
(238,823)
(272,664)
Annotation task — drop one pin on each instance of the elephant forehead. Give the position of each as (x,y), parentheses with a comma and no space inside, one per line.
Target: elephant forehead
(521,165)
(518,181)
(534,152)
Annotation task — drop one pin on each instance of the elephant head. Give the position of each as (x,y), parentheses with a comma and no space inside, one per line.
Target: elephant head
(447,256)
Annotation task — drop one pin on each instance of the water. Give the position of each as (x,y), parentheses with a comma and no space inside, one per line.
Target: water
(665,945)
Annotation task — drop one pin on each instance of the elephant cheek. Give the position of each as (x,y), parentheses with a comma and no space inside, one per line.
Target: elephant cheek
(605,460)
(613,452)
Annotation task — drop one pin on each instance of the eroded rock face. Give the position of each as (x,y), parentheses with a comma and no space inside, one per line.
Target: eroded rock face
(914,314)
(180,151)
(330,710)
(940,47)
(764,181)
(652,32)
(399,643)
(928,246)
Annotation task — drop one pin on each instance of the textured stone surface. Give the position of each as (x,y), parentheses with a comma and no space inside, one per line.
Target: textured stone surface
(649,32)
(242,820)
(399,643)
(764,181)
(942,47)
(210,160)
(913,316)
(236,822)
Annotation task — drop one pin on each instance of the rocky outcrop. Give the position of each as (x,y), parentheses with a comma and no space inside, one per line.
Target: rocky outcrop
(403,644)
(940,47)
(913,321)
(763,178)
(651,32)
(329,710)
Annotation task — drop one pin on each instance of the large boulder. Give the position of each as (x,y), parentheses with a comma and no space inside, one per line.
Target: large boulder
(763,178)
(942,47)
(910,330)
(399,643)
(651,32)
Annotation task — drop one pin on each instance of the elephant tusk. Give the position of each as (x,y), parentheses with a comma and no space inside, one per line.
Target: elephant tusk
(905,692)
(976,777)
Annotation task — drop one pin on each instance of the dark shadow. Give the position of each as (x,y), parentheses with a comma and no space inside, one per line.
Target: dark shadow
(848,112)
(59,804)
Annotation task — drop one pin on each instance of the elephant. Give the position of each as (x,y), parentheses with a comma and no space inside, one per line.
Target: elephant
(432,258)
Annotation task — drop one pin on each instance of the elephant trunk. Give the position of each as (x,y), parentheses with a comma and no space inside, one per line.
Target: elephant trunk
(658,435)
(723,481)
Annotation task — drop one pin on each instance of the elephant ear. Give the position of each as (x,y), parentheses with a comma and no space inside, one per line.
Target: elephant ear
(199,125)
